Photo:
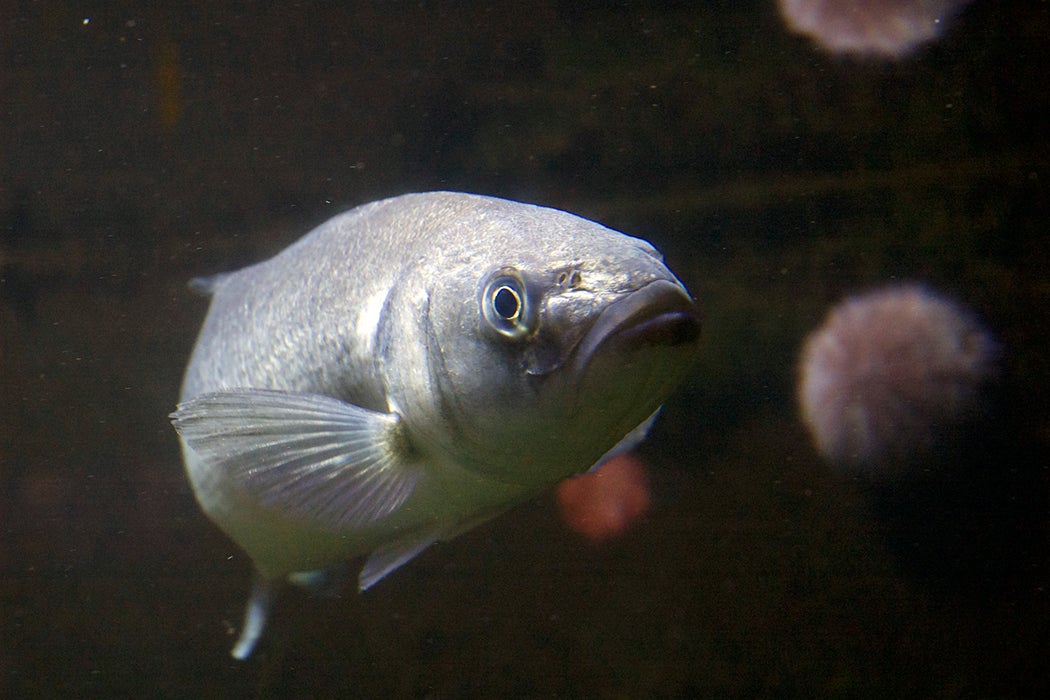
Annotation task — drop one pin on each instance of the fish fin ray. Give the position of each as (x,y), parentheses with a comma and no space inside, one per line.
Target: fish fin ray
(312,458)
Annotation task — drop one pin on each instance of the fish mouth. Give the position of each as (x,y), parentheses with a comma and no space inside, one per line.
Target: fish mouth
(660,314)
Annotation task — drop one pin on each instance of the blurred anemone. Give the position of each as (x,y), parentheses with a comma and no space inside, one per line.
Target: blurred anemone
(894,375)
(882,28)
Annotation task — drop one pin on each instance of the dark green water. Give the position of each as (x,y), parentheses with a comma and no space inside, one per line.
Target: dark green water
(141,147)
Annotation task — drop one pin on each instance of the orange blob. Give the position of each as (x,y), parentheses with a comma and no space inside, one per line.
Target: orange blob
(602,504)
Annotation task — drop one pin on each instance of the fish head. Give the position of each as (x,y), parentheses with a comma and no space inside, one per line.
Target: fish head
(547,341)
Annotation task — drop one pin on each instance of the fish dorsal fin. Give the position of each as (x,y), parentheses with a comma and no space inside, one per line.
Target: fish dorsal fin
(312,458)
(391,556)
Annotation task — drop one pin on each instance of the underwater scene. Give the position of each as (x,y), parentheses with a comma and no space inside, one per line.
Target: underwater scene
(553,349)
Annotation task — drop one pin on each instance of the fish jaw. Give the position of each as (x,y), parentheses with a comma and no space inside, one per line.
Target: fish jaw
(660,315)
(640,347)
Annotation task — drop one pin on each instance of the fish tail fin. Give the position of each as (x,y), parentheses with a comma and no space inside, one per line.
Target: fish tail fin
(255,613)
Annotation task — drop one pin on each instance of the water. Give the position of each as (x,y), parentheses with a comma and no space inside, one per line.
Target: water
(139,148)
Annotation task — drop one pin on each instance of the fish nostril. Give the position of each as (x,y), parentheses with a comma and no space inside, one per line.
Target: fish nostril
(571,280)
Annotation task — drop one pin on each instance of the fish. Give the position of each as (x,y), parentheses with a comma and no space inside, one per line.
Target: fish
(414,367)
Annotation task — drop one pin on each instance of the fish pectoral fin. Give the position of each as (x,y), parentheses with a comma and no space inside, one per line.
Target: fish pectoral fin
(311,458)
(391,556)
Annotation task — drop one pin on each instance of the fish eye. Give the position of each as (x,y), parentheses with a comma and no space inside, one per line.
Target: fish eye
(504,305)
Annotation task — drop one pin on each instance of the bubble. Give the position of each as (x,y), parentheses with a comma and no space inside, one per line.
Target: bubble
(893,375)
(881,28)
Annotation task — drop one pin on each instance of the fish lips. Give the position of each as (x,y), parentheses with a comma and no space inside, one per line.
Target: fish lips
(660,314)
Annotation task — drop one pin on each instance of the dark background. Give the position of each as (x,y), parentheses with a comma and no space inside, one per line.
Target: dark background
(141,147)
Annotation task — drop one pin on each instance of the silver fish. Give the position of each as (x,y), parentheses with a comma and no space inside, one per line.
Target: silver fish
(414,367)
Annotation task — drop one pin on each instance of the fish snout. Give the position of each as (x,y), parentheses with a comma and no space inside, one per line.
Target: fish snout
(659,314)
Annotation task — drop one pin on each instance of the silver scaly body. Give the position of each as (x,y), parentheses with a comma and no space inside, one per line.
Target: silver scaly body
(414,367)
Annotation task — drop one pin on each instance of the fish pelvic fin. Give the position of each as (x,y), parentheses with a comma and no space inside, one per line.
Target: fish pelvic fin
(629,441)
(255,615)
(395,554)
(313,459)
(325,583)
(205,286)
(392,556)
